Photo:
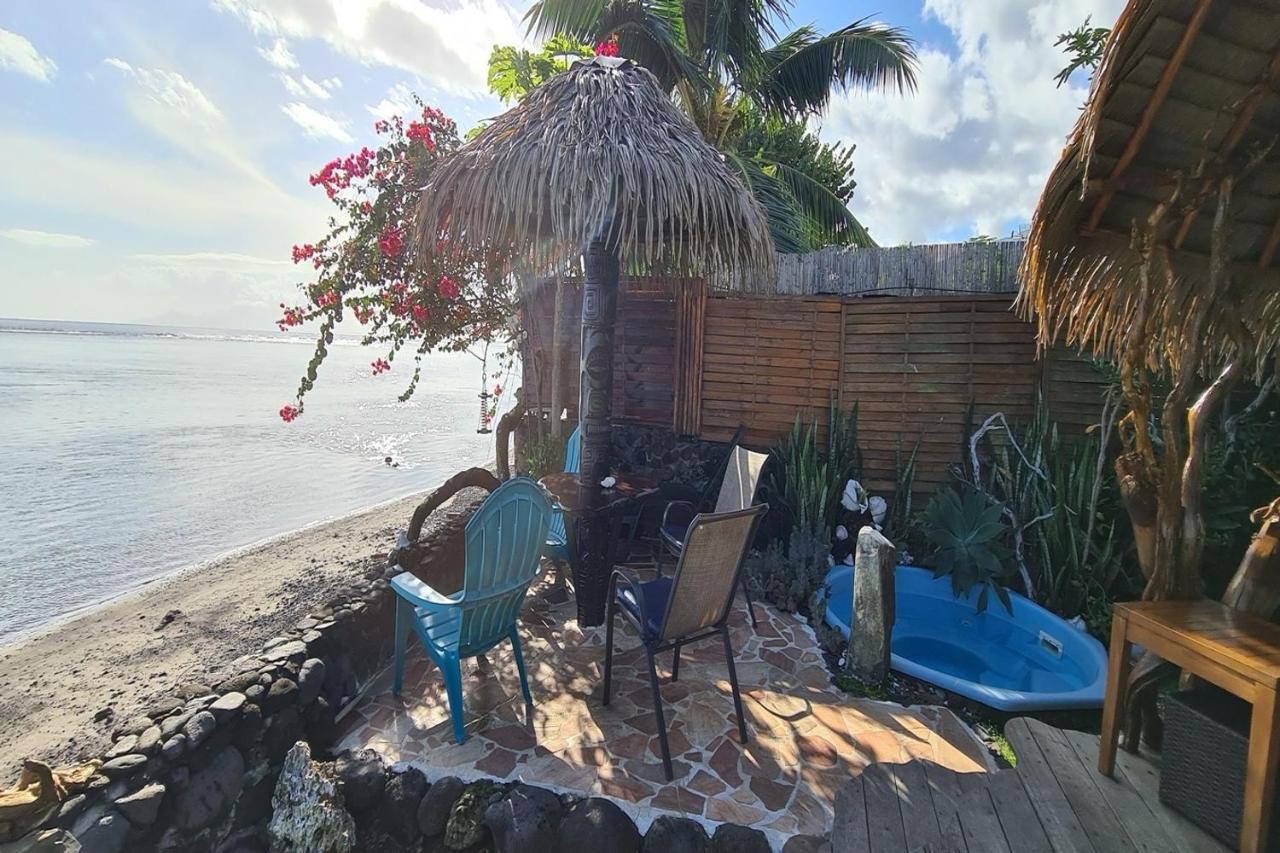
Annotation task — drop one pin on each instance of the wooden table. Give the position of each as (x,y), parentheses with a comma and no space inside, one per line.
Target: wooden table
(593,517)
(1236,651)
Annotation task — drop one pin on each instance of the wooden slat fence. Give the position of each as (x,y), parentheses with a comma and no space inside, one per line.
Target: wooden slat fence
(926,368)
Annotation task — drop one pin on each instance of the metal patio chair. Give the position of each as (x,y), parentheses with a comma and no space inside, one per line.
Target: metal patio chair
(691,605)
(738,490)
(504,541)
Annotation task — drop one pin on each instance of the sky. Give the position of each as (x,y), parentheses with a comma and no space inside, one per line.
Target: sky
(157,155)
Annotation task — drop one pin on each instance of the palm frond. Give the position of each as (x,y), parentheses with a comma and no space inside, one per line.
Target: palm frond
(828,214)
(786,224)
(805,69)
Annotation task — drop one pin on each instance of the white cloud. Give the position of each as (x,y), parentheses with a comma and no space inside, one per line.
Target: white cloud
(18,54)
(970,150)
(316,124)
(171,90)
(279,55)
(304,87)
(398,102)
(45,239)
(213,259)
(447,43)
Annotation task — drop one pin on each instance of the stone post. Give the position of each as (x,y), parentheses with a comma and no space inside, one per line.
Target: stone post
(873,607)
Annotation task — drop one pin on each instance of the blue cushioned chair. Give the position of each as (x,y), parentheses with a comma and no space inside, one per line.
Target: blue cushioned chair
(691,605)
(504,542)
(557,547)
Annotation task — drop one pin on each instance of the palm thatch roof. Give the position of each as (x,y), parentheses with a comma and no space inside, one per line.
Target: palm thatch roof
(1186,95)
(598,151)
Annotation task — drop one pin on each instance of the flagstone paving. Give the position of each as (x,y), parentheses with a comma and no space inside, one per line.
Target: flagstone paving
(805,736)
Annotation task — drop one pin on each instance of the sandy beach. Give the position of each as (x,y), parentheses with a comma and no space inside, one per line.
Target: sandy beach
(64,690)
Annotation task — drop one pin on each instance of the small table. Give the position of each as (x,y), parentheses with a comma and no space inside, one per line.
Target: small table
(594,517)
(1236,651)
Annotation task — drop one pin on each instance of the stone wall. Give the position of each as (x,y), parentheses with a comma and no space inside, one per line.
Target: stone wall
(659,453)
(197,771)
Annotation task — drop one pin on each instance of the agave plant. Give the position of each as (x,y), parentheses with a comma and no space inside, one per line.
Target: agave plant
(968,530)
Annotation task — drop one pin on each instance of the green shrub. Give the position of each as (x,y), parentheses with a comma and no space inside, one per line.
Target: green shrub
(788,574)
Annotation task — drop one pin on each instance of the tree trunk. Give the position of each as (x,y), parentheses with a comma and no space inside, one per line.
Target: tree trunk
(595,419)
(560,310)
(1255,588)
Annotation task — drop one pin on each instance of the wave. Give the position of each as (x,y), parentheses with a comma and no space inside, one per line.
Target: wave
(137,330)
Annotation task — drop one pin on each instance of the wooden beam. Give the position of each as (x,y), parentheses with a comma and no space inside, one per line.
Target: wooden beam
(1248,109)
(1153,106)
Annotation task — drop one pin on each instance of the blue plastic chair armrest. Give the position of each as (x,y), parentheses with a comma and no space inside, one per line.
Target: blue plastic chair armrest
(421,594)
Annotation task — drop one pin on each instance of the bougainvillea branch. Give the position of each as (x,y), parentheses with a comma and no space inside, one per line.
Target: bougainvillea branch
(367,268)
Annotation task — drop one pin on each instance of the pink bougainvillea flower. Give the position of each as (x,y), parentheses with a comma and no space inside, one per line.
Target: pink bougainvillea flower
(381,366)
(447,287)
(497,390)
(418,131)
(391,242)
(420,314)
(367,207)
(289,412)
(609,47)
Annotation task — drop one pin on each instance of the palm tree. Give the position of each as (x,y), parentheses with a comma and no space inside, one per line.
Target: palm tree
(732,71)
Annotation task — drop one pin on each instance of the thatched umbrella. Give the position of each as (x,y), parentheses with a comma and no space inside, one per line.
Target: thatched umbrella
(597,161)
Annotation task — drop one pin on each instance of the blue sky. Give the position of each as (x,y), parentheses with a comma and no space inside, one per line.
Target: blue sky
(157,154)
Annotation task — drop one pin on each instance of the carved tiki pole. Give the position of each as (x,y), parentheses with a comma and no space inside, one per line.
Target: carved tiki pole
(595,420)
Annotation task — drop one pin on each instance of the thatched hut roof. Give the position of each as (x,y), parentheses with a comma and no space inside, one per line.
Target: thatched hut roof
(1186,93)
(598,149)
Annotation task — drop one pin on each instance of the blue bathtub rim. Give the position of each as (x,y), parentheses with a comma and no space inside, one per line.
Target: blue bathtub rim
(1002,699)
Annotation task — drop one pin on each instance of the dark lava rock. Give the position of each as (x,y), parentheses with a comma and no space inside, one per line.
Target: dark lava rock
(526,821)
(282,693)
(466,827)
(106,835)
(310,680)
(322,729)
(142,806)
(364,780)
(284,732)
(732,838)
(210,792)
(670,834)
(249,727)
(433,814)
(400,801)
(198,728)
(595,825)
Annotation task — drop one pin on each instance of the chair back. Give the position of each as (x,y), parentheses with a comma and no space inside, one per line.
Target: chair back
(504,544)
(707,575)
(572,464)
(741,480)
(709,492)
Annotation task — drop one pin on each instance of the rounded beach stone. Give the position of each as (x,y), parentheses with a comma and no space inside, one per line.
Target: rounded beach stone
(670,834)
(124,746)
(255,692)
(310,680)
(285,651)
(238,683)
(174,747)
(400,800)
(149,741)
(134,726)
(526,821)
(142,806)
(596,824)
(433,813)
(282,693)
(227,705)
(123,766)
(171,725)
(732,838)
(363,780)
(198,728)
(806,844)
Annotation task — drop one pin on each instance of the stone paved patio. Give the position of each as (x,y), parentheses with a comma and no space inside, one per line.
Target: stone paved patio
(806,736)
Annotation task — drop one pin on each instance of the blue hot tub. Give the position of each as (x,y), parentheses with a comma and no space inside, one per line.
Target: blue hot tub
(1026,660)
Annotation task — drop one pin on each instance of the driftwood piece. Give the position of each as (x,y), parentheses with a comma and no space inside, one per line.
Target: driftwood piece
(472,478)
(506,424)
(873,606)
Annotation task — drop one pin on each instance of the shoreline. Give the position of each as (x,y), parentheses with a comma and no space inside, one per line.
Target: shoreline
(66,687)
(176,573)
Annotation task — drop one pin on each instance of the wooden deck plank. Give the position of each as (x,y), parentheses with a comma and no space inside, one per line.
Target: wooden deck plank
(982,829)
(919,821)
(849,830)
(1145,827)
(1017,815)
(1063,828)
(1105,831)
(944,790)
(885,833)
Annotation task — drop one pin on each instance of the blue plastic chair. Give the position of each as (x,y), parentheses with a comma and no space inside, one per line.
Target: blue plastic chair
(557,547)
(504,542)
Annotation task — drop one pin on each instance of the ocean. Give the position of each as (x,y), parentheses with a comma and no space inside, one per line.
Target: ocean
(129,452)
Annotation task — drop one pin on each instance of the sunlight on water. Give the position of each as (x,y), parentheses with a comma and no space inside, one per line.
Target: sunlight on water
(128,453)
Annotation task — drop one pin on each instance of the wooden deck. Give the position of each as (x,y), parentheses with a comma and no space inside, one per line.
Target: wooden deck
(1055,801)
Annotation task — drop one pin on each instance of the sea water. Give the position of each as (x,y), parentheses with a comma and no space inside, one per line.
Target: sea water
(128,452)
